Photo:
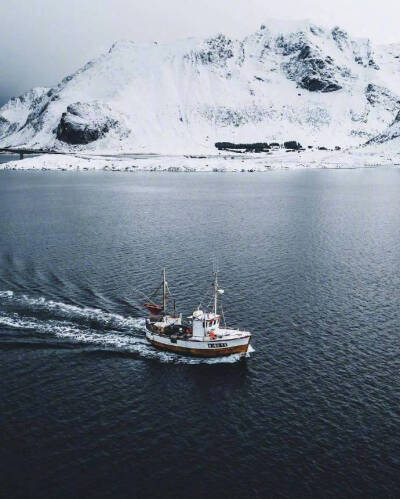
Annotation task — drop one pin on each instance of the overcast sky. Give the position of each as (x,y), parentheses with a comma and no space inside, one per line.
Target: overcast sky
(43,40)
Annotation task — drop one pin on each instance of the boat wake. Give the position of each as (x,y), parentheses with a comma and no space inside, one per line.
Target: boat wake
(54,322)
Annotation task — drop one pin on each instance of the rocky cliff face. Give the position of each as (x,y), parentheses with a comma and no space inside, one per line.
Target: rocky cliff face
(14,113)
(286,81)
(390,136)
(83,123)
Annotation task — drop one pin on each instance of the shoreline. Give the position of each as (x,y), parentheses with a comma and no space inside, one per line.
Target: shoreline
(147,171)
(215,163)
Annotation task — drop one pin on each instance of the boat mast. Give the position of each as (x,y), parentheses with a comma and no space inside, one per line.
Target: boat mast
(164,299)
(215,290)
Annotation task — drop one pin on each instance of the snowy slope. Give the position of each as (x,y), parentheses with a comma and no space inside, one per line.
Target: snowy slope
(15,112)
(285,81)
(388,140)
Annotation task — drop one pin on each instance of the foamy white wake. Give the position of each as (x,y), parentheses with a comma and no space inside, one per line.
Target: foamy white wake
(60,309)
(130,340)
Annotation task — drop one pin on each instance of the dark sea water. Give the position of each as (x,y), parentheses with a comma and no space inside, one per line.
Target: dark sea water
(309,261)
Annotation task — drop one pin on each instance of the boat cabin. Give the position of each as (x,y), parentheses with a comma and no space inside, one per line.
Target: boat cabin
(204,323)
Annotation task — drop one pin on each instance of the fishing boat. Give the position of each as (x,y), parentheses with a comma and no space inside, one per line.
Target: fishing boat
(202,335)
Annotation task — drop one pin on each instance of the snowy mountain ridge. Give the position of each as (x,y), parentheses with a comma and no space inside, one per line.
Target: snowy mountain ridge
(286,81)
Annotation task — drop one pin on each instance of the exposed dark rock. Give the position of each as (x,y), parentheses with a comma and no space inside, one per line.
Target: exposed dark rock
(314,84)
(363,55)
(216,51)
(26,102)
(83,123)
(67,79)
(291,44)
(377,95)
(392,132)
(341,37)
(371,93)
(4,126)
(305,52)
(316,30)
(7,128)
(73,133)
(311,70)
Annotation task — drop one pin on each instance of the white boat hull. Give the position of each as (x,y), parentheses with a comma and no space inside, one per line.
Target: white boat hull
(201,348)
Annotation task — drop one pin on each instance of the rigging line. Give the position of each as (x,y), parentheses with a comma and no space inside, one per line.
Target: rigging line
(155,293)
(144,294)
(204,298)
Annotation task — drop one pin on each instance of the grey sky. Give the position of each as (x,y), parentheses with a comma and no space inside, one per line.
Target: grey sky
(43,40)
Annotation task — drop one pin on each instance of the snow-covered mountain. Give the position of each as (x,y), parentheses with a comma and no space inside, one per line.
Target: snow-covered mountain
(14,113)
(287,81)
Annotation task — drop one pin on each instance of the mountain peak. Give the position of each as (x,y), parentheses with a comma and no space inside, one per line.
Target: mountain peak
(286,81)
